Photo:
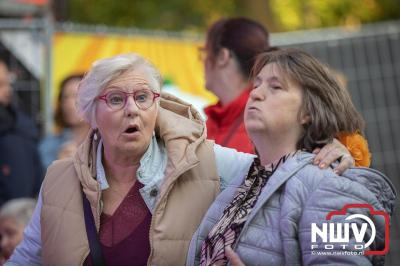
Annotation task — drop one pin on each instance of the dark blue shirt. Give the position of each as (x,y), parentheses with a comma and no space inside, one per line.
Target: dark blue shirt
(21,171)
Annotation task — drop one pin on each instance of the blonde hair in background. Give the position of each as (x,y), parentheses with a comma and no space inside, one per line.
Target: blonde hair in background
(20,209)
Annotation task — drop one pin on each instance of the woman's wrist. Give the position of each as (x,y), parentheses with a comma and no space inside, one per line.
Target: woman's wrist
(357,146)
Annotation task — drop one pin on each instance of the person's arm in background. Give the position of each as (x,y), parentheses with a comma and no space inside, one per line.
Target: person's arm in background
(39,173)
(29,251)
(231,163)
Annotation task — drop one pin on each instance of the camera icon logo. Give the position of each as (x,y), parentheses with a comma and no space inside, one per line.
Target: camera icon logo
(331,235)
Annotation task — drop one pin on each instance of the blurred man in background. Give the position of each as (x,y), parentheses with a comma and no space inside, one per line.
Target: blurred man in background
(20,168)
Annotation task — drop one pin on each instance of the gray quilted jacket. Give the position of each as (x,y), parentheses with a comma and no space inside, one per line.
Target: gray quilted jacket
(278,230)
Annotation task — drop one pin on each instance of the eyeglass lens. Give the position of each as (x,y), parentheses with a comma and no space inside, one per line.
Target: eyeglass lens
(118,99)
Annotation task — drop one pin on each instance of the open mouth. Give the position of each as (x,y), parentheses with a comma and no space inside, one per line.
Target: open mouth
(131,130)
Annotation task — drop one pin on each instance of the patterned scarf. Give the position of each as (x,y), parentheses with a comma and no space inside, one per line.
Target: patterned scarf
(227,229)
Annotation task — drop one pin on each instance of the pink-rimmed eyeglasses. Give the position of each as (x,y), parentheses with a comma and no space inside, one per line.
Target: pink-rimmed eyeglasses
(116,99)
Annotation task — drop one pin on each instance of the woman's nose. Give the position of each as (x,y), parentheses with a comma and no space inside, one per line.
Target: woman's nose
(256,94)
(130,107)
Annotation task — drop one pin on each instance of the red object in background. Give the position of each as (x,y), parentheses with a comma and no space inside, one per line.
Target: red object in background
(5,169)
(225,124)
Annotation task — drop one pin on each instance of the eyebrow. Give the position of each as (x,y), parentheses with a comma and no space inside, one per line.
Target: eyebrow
(273,78)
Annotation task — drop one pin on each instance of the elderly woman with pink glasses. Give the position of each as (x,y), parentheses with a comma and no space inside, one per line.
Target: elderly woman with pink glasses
(137,188)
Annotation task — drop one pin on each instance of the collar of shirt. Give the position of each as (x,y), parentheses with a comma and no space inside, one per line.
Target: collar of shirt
(151,170)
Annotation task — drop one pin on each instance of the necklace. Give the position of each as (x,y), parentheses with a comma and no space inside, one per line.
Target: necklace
(113,197)
(121,193)
(126,188)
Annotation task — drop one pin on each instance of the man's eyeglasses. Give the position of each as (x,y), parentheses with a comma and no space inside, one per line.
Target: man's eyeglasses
(116,99)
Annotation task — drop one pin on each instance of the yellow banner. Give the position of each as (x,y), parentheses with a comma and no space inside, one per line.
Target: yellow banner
(177,59)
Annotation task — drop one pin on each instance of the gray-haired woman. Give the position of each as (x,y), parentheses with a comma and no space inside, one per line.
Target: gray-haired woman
(146,170)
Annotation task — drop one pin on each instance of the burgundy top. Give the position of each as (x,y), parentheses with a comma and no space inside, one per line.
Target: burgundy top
(124,236)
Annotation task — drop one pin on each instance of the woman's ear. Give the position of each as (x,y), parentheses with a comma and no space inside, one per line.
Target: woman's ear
(96,134)
(223,57)
(304,116)
(305,119)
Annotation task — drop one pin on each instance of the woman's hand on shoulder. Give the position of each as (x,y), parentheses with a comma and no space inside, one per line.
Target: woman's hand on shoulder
(332,152)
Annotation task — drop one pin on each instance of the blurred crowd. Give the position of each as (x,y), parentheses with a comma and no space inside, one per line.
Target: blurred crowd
(24,156)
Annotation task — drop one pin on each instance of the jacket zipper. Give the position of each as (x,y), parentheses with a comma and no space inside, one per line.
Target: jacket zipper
(175,177)
(247,223)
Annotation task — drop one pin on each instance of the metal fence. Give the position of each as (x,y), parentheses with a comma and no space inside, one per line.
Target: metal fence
(25,86)
(370,60)
(24,45)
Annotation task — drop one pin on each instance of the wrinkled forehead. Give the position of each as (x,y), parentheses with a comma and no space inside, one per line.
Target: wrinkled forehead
(133,80)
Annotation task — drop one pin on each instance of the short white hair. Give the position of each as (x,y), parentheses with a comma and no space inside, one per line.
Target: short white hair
(20,209)
(105,70)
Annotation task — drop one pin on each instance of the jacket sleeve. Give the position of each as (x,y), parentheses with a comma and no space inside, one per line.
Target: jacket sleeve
(29,251)
(332,193)
(231,163)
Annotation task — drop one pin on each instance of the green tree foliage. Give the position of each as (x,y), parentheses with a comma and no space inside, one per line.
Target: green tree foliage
(298,14)
(152,14)
(196,15)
